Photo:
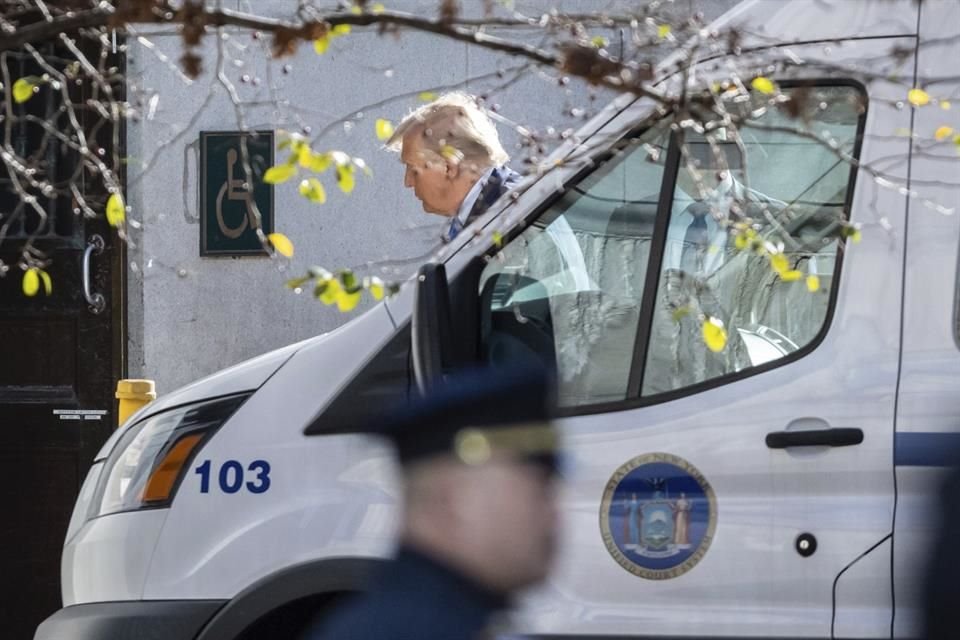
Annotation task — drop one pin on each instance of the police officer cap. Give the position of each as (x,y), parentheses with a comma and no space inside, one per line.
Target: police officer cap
(476,413)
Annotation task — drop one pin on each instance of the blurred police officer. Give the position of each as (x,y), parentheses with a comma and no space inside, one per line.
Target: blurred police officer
(478,521)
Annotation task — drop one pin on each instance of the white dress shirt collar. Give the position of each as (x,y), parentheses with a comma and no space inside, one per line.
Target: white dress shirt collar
(471,198)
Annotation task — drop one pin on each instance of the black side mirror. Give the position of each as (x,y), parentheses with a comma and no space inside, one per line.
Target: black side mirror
(431,328)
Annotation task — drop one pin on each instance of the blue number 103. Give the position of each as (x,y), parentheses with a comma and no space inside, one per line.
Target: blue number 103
(231,476)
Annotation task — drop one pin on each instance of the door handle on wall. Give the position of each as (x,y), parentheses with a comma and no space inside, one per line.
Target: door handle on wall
(96,301)
(841,437)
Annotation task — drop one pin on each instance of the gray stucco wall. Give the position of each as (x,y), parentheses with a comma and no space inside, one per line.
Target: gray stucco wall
(190,316)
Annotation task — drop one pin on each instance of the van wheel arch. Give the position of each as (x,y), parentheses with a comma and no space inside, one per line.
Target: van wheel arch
(307,587)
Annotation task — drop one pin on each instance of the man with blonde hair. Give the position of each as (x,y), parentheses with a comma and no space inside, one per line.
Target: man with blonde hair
(454,161)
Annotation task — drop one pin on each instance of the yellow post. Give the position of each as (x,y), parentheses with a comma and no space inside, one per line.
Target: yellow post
(133,394)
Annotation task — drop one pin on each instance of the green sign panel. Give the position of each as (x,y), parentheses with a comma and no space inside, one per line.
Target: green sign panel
(228,220)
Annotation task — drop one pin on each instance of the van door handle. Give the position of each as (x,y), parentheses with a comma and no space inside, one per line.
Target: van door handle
(840,437)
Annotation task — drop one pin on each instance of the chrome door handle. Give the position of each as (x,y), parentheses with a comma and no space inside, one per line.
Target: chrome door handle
(96,301)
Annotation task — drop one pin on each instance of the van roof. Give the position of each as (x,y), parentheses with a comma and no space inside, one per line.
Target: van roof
(785,21)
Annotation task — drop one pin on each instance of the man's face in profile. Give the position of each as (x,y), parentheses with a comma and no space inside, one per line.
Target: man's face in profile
(428,175)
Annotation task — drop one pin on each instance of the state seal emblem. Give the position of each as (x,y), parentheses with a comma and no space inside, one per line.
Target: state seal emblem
(658,516)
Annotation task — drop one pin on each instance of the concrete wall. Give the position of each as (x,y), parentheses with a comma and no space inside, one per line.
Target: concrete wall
(189,316)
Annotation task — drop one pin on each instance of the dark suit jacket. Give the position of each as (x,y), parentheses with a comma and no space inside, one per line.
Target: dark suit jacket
(501,180)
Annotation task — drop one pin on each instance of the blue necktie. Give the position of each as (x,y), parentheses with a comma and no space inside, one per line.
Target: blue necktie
(455,228)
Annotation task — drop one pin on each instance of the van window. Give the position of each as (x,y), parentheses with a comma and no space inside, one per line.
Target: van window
(795,189)
(569,290)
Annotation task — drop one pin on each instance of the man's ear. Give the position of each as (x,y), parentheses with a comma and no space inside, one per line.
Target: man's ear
(453,168)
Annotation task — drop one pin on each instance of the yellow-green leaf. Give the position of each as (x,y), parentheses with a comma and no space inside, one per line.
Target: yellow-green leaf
(427,96)
(349,281)
(497,239)
(663,31)
(680,312)
(296,283)
(345,178)
(23,89)
(451,153)
(47,282)
(320,45)
(779,263)
(791,276)
(378,8)
(319,162)
(303,154)
(116,211)
(312,189)
(850,231)
(764,85)
(813,283)
(714,335)
(281,244)
(356,10)
(740,242)
(384,129)
(942,133)
(331,291)
(376,288)
(347,301)
(918,97)
(279,174)
(945,105)
(31,282)
(341,30)
(599,42)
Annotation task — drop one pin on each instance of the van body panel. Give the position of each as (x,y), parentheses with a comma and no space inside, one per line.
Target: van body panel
(928,427)
(245,376)
(108,558)
(858,590)
(327,496)
(776,21)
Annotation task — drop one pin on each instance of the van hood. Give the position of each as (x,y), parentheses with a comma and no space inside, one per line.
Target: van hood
(246,376)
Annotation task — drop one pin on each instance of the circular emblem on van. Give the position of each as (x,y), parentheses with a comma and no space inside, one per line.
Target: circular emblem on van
(658,516)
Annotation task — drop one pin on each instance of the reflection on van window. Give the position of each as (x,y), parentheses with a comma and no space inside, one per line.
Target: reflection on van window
(791,187)
(568,289)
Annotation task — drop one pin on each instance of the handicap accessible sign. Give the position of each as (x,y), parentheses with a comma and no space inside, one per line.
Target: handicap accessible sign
(228,200)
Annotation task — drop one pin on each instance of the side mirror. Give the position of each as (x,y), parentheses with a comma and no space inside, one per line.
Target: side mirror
(431,328)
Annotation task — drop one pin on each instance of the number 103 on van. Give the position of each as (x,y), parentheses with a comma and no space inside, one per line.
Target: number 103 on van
(231,477)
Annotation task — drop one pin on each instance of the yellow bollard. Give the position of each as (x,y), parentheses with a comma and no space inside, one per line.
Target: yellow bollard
(132,395)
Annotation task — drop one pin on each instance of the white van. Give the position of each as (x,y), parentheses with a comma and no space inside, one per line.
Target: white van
(780,487)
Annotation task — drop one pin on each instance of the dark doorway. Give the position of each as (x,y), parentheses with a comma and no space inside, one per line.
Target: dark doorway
(60,354)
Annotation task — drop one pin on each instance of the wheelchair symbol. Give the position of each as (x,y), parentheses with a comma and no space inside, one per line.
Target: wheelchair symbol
(235,190)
